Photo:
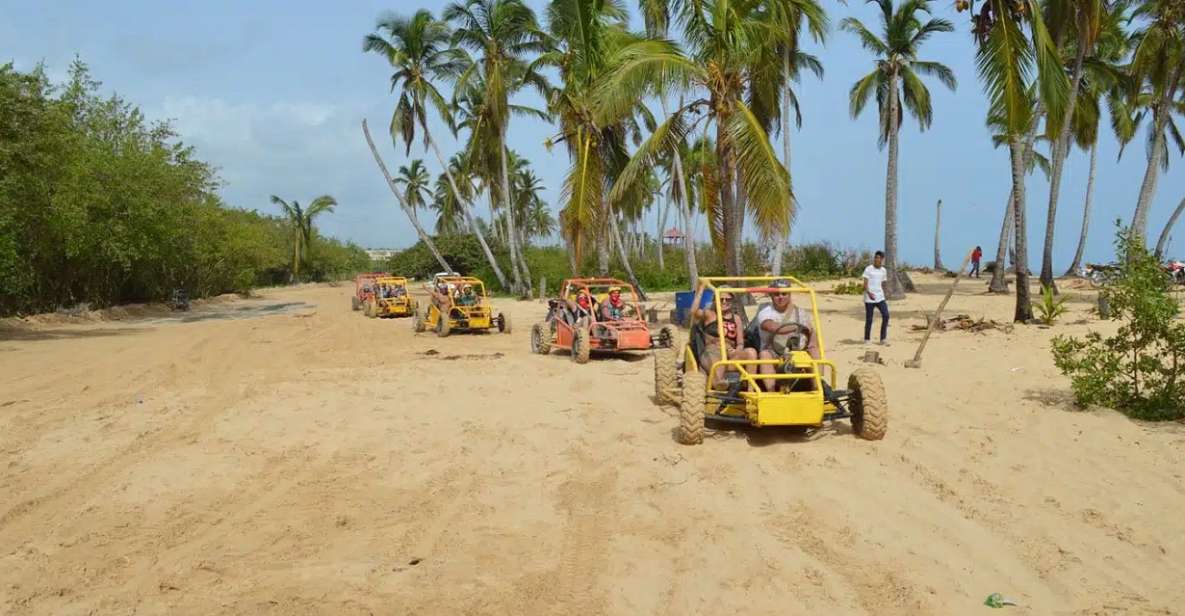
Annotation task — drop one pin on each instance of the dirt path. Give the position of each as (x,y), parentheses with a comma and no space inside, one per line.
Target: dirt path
(309,460)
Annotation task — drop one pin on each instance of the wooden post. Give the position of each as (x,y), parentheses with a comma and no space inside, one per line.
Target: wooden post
(916,362)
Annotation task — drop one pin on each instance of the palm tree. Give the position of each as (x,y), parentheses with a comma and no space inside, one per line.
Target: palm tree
(418,50)
(1104,76)
(415,223)
(1005,60)
(445,202)
(897,65)
(725,39)
(779,84)
(1158,66)
(414,180)
(1084,19)
(501,32)
(301,221)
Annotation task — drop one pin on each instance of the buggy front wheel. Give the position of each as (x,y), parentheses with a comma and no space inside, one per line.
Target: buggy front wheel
(580,346)
(540,339)
(691,408)
(868,405)
(417,322)
(503,322)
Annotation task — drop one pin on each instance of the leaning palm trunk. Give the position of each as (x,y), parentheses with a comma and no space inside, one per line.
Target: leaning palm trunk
(662,223)
(781,242)
(1151,174)
(684,211)
(621,254)
(1024,306)
(467,212)
(512,240)
(1168,227)
(998,283)
(603,251)
(1061,148)
(893,289)
(1077,264)
(424,237)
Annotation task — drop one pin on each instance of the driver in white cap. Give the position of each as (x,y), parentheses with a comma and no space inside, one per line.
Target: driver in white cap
(784,327)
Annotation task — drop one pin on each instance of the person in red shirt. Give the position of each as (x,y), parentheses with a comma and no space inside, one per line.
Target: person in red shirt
(976,255)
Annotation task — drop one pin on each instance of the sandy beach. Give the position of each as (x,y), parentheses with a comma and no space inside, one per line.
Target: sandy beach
(285,455)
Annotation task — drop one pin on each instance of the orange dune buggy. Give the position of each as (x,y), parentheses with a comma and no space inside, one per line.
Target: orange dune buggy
(576,321)
(364,285)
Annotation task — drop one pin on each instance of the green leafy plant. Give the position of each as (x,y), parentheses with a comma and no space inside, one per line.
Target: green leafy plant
(1051,307)
(1139,371)
(851,287)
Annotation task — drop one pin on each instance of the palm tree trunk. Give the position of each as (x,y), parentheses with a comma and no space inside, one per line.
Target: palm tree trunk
(727,204)
(1024,305)
(523,245)
(424,237)
(684,210)
(512,239)
(740,198)
(625,260)
(467,211)
(1061,148)
(781,243)
(937,237)
(999,284)
(893,289)
(1152,172)
(1164,233)
(1077,263)
(665,210)
(603,245)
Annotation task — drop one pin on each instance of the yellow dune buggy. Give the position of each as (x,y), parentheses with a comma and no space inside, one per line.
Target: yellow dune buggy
(803,391)
(459,303)
(389,298)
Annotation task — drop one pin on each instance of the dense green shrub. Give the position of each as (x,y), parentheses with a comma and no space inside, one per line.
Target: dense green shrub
(98,205)
(1140,371)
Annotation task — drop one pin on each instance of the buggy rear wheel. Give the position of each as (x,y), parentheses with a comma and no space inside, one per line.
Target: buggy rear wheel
(691,408)
(540,339)
(580,346)
(868,405)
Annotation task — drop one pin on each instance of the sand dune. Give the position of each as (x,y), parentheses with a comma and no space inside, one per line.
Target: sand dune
(305,459)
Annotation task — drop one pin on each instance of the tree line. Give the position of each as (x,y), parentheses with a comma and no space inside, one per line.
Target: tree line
(99,205)
(683,113)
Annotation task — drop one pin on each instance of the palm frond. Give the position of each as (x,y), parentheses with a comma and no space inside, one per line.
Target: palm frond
(765,179)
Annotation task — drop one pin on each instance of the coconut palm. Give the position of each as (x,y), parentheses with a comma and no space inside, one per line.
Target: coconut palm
(418,50)
(782,70)
(1079,23)
(897,84)
(725,39)
(445,202)
(301,221)
(414,180)
(1005,60)
(1158,66)
(501,33)
(1104,77)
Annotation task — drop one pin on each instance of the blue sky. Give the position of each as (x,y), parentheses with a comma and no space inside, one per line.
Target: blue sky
(273,93)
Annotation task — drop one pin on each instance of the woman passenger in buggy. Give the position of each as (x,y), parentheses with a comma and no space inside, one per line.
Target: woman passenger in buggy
(734,338)
(582,310)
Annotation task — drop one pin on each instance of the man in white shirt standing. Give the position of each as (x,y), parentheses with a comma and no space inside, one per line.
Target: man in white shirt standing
(874,297)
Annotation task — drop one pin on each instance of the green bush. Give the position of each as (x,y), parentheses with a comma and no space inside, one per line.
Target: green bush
(1050,308)
(1140,371)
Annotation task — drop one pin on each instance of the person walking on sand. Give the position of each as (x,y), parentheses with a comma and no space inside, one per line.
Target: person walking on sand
(874,297)
(976,255)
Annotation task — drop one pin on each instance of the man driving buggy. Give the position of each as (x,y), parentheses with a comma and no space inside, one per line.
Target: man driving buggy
(613,308)
(466,297)
(784,327)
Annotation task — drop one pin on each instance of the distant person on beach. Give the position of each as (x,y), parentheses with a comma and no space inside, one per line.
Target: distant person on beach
(874,297)
(976,255)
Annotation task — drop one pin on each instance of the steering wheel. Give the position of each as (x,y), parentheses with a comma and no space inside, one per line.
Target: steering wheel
(795,329)
(629,311)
